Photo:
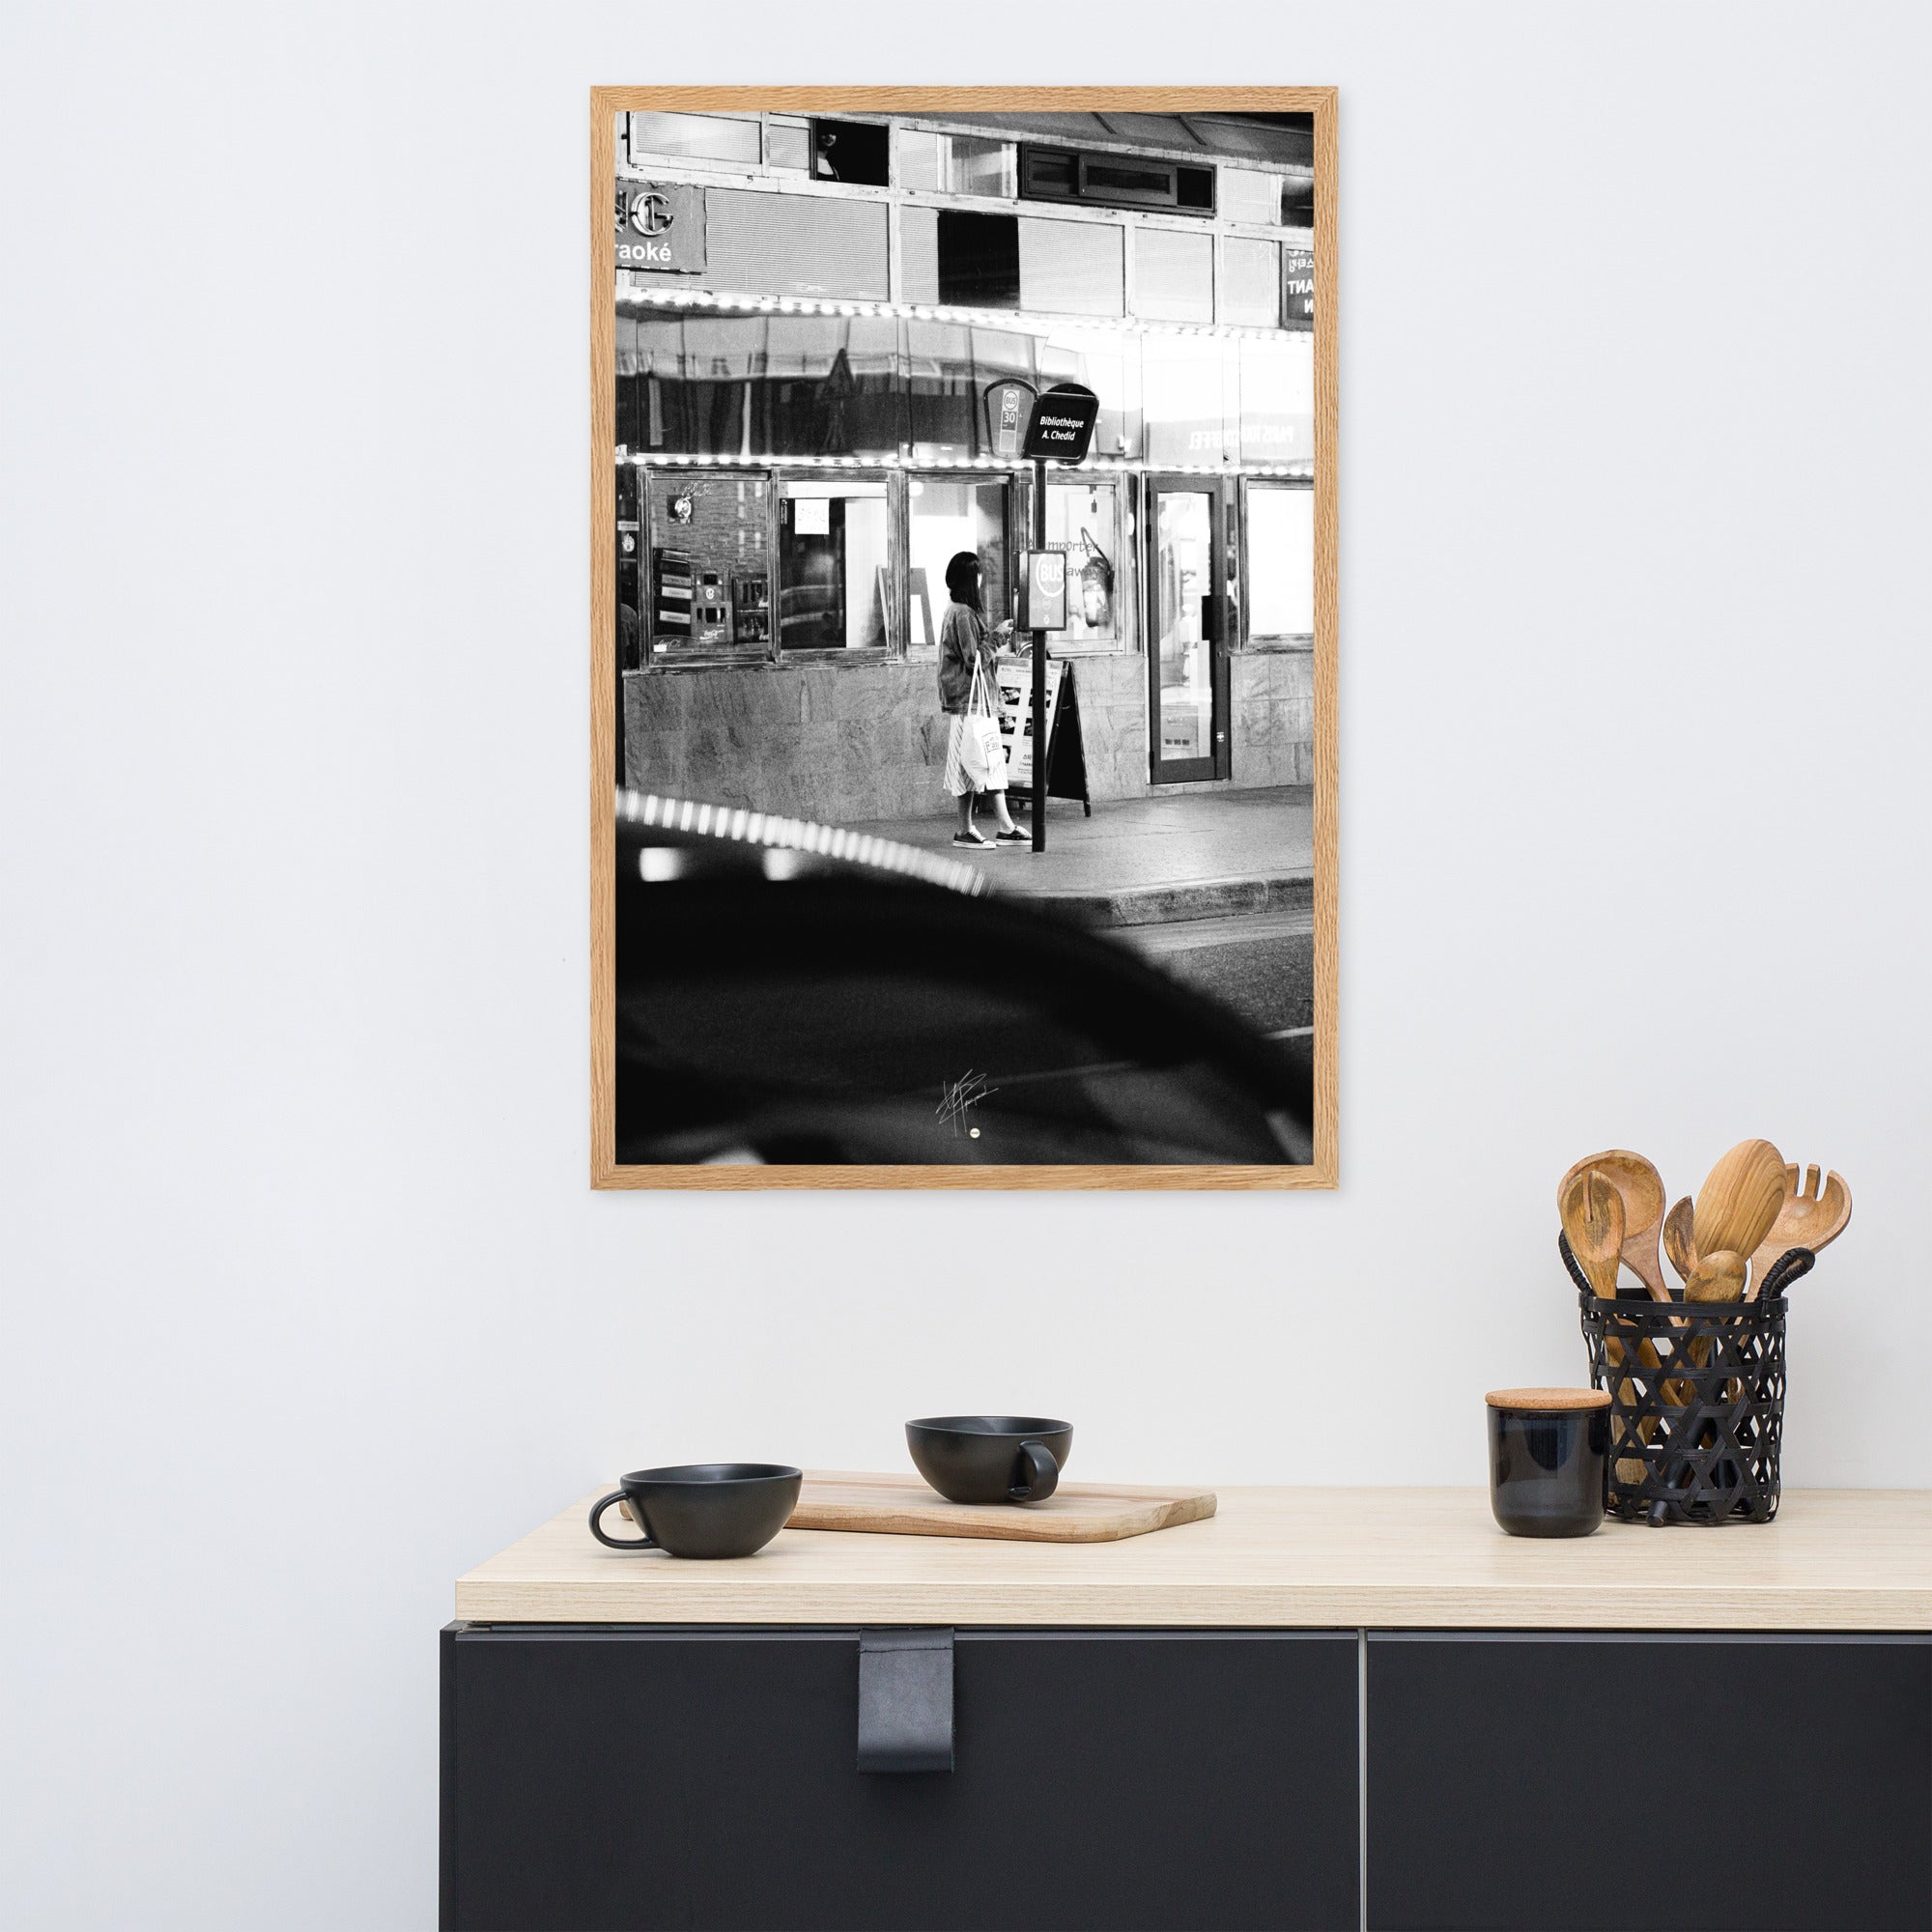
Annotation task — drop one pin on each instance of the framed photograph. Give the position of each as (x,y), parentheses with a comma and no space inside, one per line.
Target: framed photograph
(918,414)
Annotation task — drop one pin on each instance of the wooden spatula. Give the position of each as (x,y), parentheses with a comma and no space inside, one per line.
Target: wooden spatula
(1641,1190)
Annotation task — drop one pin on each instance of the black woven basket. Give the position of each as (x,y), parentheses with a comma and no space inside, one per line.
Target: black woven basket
(1696,1401)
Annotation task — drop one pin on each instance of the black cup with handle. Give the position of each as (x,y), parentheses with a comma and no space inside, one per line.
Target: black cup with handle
(990,1459)
(702,1509)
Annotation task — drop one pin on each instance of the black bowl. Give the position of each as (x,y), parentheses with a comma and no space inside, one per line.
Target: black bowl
(703,1508)
(990,1459)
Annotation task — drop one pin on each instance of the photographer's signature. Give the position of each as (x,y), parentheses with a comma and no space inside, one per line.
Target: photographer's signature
(958,1097)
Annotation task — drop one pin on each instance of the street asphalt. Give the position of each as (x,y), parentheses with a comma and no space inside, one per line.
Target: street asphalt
(1216,887)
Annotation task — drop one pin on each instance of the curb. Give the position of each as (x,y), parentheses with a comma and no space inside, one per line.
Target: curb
(1160,905)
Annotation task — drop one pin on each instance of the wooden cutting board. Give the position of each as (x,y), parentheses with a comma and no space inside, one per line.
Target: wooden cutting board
(1075,1513)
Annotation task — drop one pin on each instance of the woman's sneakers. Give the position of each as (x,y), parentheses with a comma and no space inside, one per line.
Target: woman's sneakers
(1019,835)
(970,839)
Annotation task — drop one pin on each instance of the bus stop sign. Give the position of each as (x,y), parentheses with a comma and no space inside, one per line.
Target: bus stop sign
(1043,591)
(1061,427)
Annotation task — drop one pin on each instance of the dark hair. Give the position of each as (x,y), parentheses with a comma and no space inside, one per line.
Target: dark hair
(962,580)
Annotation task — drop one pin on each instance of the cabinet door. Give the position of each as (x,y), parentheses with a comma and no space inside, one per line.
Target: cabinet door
(1564,1782)
(602,1779)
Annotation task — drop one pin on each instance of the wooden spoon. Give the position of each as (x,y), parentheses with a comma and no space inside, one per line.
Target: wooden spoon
(1680,1243)
(1717,1277)
(1638,1181)
(1808,1217)
(1739,1200)
(1593,1218)
(1680,1240)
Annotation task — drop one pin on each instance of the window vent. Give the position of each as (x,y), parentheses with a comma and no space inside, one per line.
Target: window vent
(1114,180)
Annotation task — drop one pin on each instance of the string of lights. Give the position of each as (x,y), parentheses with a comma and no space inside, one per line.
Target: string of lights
(641,458)
(1012,321)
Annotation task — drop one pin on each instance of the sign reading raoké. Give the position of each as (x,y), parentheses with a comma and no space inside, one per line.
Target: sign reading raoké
(661,226)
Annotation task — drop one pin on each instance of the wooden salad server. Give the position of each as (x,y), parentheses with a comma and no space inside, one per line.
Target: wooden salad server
(1809,1216)
(1639,1184)
(1739,1201)
(1592,1212)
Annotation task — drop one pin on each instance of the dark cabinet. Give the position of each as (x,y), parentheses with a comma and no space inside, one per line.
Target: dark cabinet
(1567,1782)
(604,1778)
(607,1776)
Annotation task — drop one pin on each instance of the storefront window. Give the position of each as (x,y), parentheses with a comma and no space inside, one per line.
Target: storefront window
(1189,391)
(1278,409)
(795,245)
(787,244)
(1281,562)
(1083,519)
(955,163)
(979,258)
(695,137)
(967,260)
(948,368)
(1071,268)
(632,429)
(857,152)
(1174,275)
(749,386)
(1250,282)
(834,565)
(710,567)
(919,254)
(831,387)
(945,516)
(789,143)
(1244,194)
(1110,365)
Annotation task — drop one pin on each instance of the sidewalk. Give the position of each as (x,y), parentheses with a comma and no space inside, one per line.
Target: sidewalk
(1148,861)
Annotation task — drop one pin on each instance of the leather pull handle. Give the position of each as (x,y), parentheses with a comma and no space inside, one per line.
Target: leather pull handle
(905,1700)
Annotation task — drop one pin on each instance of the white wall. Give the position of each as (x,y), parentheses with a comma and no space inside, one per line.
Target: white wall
(309,1306)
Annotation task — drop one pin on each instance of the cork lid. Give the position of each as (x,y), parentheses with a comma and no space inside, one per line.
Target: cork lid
(1549,1400)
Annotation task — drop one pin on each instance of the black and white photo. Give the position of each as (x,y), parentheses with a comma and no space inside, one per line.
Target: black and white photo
(835,585)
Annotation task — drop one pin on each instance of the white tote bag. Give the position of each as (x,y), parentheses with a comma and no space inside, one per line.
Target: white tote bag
(982,754)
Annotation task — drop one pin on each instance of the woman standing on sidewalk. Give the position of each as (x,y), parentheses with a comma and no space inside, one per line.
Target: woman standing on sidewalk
(967,642)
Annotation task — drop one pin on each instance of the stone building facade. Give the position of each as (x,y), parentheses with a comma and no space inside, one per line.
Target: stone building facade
(818,323)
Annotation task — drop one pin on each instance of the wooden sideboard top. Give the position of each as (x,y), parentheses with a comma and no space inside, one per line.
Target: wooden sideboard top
(1835,1559)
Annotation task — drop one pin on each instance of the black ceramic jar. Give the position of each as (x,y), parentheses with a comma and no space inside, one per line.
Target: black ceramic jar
(1549,1457)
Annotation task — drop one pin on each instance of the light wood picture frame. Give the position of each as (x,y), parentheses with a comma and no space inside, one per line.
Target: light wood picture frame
(778,109)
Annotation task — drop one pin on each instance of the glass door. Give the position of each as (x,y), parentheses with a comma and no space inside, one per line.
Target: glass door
(1187,604)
